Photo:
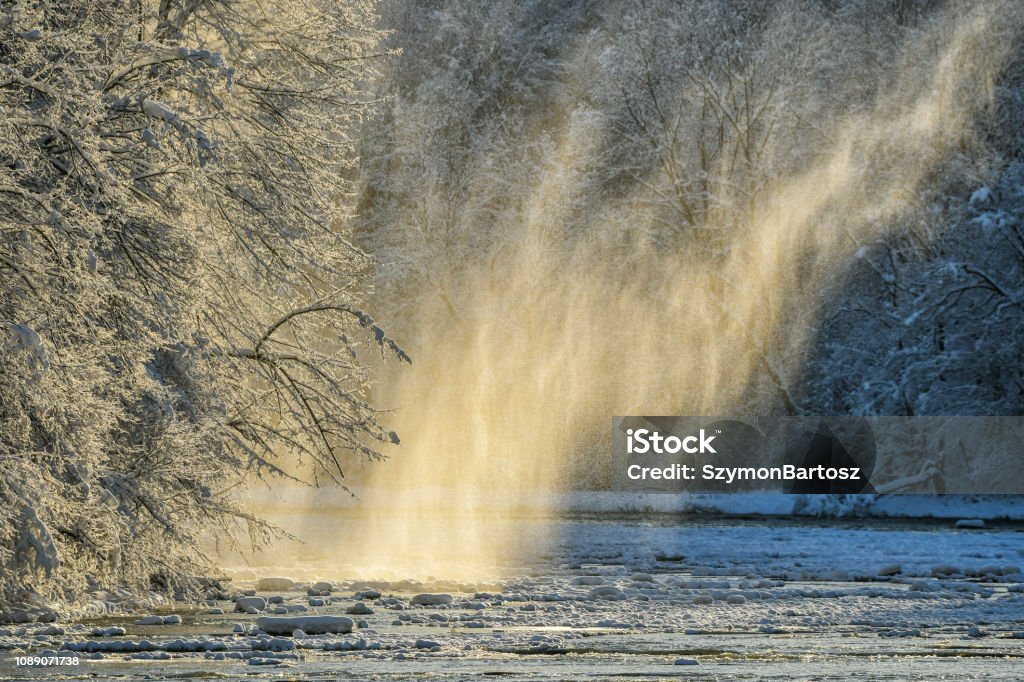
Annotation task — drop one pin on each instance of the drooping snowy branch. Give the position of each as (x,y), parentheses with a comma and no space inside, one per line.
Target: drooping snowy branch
(175,181)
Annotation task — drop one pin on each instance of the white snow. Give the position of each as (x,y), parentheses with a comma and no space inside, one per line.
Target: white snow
(981,196)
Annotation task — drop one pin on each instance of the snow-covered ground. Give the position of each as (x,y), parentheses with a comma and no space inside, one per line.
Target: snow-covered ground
(625,596)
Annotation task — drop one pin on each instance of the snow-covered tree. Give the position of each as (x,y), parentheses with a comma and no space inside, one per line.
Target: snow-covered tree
(179,300)
(636,137)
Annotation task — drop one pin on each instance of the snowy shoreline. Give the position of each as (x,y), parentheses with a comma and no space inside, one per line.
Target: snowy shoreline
(510,503)
(612,596)
(989,508)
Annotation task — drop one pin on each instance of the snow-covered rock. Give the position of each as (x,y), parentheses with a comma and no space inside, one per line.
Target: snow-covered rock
(311,625)
(898,633)
(428,599)
(611,623)
(359,609)
(274,643)
(275,585)
(588,580)
(367,594)
(108,632)
(242,604)
(173,619)
(607,592)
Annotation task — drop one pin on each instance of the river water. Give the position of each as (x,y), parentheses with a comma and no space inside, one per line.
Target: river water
(622,597)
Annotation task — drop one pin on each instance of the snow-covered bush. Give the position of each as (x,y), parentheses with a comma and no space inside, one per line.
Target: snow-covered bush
(179,295)
(938,331)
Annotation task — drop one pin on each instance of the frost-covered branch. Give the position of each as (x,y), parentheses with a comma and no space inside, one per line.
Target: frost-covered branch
(175,184)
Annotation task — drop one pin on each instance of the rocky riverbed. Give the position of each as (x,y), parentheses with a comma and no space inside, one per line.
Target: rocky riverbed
(623,597)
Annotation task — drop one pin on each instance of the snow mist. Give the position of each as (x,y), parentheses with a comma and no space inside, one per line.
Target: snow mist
(526,349)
